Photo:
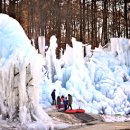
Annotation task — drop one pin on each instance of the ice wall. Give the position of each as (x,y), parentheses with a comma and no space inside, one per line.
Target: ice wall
(20,67)
(100,81)
(121,48)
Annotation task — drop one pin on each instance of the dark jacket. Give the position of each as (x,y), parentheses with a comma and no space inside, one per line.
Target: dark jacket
(53,95)
(65,102)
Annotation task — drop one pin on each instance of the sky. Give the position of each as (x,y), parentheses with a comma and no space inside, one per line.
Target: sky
(98,83)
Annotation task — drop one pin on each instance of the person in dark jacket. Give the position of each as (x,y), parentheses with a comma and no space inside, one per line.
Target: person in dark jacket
(53,95)
(70,101)
(62,98)
(65,102)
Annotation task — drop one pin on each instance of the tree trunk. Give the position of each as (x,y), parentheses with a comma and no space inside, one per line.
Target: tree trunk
(104,29)
(11,8)
(68,21)
(4,9)
(92,23)
(95,24)
(81,20)
(84,21)
(0,6)
(126,19)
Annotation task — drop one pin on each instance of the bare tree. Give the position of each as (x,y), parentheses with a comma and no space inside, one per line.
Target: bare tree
(0,6)
(126,18)
(104,29)
(82,19)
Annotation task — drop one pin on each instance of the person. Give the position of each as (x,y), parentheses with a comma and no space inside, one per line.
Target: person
(65,102)
(62,98)
(70,101)
(58,102)
(53,95)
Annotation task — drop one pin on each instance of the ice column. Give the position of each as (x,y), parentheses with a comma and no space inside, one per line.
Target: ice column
(51,57)
(77,51)
(120,47)
(41,44)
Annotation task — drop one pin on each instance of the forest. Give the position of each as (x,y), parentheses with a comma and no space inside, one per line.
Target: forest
(89,21)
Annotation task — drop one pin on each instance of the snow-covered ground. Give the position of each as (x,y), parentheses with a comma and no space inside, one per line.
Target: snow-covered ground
(99,82)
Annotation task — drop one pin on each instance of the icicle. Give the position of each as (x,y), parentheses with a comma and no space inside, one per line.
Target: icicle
(51,57)
(41,44)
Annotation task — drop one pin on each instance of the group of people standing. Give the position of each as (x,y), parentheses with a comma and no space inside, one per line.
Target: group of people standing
(62,102)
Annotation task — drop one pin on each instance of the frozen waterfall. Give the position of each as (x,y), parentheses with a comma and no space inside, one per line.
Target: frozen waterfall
(20,67)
